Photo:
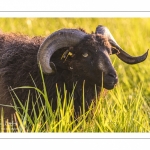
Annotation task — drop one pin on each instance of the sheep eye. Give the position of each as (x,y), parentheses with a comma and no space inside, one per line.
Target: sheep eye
(85,55)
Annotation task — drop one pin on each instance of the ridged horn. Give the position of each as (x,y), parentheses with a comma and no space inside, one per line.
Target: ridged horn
(121,53)
(59,39)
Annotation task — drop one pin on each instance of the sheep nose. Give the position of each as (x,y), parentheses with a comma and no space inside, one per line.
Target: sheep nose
(112,75)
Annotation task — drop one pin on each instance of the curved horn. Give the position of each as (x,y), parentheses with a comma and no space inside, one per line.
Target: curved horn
(59,39)
(121,53)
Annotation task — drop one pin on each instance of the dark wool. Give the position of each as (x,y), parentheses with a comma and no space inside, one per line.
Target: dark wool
(18,67)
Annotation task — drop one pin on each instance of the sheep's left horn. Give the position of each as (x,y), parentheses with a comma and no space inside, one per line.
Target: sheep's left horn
(121,53)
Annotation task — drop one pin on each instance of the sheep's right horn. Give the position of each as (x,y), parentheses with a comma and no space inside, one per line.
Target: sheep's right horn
(59,39)
(119,51)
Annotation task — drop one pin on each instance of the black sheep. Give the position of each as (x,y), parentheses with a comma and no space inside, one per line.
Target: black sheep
(68,56)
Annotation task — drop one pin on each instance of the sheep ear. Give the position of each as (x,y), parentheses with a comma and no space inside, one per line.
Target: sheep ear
(114,51)
(125,57)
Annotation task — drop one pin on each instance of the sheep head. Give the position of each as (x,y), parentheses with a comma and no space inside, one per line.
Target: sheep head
(89,56)
(90,61)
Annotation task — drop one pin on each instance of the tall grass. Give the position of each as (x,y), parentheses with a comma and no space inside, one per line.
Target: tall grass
(126,108)
(115,111)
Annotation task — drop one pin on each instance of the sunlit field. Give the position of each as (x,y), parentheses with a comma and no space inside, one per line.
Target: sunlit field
(126,108)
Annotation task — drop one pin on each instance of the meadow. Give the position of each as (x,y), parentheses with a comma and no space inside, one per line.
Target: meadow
(126,108)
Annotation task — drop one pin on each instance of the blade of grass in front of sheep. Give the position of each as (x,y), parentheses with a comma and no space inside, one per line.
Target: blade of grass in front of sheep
(45,93)
(58,126)
(83,106)
(61,106)
(64,105)
(9,129)
(39,108)
(99,126)
(26,118)
(21,125)
(37,119)
(17,125)
(26,110)
(38,98)
(63,111)
(97,102)
(2,120)
(79,124)
(23,107)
